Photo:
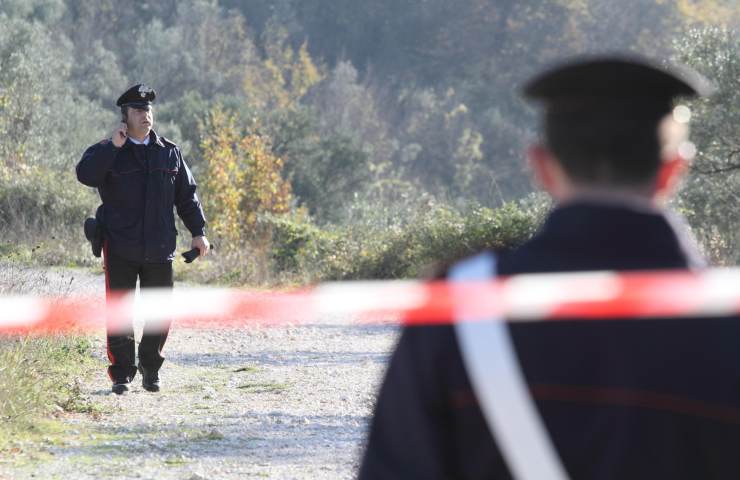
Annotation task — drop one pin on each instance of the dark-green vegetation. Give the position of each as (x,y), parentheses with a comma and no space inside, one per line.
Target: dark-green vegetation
(42,214)
(331,139)
(331,117)
(429,237)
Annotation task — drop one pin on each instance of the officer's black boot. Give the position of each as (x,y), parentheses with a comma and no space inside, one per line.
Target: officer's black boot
(149,380)
(119,388)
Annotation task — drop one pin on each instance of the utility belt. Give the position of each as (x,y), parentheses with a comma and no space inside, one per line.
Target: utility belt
(94,231)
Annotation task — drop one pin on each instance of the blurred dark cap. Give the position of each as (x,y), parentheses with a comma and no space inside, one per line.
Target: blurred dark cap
(619,83)
(140,95)
(601,115)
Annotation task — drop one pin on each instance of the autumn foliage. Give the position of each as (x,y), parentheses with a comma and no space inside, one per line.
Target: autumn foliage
(243,182)
(334,139)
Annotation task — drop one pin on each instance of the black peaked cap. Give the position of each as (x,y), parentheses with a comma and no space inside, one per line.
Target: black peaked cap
(139,95)
(622,81)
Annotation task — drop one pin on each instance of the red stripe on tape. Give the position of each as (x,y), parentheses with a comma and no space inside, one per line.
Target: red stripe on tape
(597,295)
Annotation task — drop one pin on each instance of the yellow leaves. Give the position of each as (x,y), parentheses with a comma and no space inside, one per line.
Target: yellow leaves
(244,180)
(717,12)
(469,145)
(304,73)
(224,176)
(459,111)
(283,78)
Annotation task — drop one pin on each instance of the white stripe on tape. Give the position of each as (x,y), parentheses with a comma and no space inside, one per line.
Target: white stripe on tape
(22,311)
(336,298)
(536,296)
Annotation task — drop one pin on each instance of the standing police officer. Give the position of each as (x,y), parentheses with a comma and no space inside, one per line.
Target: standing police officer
(141,177)
(616,399)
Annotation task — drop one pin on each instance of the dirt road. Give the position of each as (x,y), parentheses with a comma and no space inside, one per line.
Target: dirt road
(283,403)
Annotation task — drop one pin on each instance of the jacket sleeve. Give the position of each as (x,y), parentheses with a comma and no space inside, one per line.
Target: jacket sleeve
(186,201)
(408,436)
(96,162)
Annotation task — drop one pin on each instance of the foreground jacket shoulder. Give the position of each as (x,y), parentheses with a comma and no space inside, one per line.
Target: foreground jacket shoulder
(620,399)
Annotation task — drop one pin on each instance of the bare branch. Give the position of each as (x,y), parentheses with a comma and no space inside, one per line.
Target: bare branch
(716,170)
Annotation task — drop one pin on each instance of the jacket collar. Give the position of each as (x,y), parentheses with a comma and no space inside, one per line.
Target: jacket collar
(155,139)
(629,228)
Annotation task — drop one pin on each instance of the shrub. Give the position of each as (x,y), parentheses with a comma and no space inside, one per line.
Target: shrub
(407,243)
(412,248)
(43,210)
(244,180)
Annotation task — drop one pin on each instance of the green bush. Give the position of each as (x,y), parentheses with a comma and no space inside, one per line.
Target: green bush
(42,212)
(379,244)
(441,236)
(290,237)
(411,248)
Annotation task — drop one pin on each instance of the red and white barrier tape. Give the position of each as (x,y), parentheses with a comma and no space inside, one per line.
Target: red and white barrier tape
(597,295)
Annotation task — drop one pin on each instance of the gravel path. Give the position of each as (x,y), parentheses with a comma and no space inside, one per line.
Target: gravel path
(283,403)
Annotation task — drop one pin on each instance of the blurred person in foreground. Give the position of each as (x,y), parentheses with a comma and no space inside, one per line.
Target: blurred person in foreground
(616,399)
(141,178)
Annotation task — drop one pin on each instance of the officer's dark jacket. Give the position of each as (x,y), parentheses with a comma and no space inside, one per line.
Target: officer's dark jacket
(642,399)
(139,186)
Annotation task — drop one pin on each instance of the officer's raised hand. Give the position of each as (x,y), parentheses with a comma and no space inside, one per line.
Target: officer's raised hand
(120,134)
(202,244)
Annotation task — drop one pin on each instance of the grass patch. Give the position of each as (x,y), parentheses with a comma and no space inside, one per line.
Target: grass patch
(30,445)
(77,402)
(264,387)
(14,250)
(38,378)
(172,461)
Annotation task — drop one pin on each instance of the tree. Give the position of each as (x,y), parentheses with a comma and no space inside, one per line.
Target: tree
(244,181)
(712,193)
(283,76)
(37,110)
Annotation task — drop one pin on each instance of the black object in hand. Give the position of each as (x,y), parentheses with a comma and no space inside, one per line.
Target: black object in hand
(191,255)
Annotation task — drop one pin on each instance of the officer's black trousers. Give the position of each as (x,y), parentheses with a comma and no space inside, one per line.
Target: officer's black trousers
(120,277)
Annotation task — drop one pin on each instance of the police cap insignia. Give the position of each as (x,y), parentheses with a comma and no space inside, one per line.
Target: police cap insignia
(140,95)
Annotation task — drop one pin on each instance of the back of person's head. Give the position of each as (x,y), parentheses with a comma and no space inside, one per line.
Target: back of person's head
(595,149)
(608,120)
